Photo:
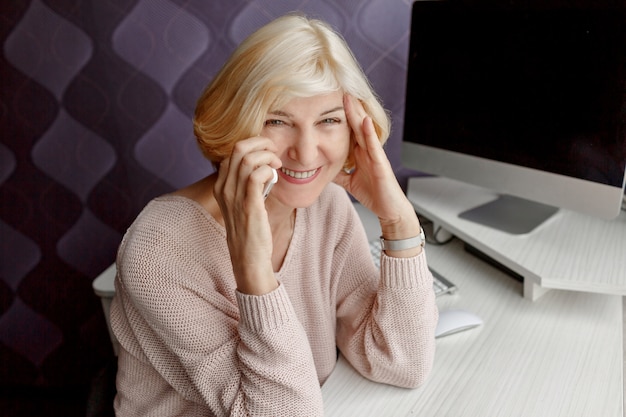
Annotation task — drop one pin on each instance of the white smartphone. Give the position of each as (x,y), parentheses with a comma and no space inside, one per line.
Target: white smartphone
(270,184)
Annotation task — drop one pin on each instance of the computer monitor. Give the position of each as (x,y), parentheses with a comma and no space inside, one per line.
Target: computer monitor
(525,99)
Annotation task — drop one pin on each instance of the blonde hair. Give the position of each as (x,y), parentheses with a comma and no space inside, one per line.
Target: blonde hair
(292,56)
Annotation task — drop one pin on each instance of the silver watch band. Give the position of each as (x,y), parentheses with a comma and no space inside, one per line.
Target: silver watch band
(403,244)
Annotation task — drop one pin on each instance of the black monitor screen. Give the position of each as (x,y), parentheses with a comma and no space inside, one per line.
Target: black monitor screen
(541,87)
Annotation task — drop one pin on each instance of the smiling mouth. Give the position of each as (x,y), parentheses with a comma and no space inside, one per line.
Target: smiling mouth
(299,175)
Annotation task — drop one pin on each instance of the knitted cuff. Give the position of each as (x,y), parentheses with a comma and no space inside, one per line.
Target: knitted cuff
(410,272)
(265,312)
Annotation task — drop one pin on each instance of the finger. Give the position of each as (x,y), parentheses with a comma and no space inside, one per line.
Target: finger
(246,156)
(371,137)
(256,159)
(254,173)
(254,144)
(249,154)
(222,173)
(355,113)
(266,177)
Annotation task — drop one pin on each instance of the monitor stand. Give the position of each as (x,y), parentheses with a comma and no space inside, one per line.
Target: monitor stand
(570,251)
(510,214)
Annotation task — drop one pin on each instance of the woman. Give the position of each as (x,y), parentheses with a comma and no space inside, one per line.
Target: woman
(231,304)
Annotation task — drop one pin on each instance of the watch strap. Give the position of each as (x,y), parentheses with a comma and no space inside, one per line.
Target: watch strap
(403,244)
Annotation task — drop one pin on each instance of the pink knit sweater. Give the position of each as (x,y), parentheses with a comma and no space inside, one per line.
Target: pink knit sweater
(191,345)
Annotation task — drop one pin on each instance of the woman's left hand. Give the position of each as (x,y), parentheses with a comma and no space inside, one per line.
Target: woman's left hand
(372,181)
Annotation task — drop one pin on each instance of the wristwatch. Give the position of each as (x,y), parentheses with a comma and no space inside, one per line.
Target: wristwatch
(403,244)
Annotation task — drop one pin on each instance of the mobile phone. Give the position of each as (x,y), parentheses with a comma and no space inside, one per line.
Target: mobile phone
(270,184)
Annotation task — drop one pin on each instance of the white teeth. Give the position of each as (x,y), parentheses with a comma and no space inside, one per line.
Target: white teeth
(299,174)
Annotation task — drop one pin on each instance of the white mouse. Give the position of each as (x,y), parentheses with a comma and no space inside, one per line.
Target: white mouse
(453,321)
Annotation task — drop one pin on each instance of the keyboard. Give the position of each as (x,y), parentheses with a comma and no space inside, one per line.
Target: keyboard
(440,284)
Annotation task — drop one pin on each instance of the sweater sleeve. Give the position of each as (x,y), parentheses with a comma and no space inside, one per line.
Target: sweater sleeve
(386,319)
(276,363)
(199,343)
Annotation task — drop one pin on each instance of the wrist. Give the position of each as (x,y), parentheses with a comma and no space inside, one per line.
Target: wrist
(403,244)
(405,225)
(257,288)
(255,281)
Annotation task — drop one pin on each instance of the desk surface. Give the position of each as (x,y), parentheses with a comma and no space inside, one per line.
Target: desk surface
(558,356)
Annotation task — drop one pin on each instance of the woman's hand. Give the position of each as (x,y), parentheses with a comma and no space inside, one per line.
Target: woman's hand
(239,193)
(373,182)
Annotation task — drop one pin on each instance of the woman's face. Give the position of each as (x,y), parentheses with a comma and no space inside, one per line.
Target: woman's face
(313,140)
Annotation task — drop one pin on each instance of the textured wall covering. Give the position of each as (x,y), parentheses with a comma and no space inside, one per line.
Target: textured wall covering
(95,104)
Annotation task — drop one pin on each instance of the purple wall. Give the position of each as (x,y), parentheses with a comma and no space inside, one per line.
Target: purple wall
(95,105)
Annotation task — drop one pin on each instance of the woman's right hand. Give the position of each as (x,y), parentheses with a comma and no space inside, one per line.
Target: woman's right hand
(239,193)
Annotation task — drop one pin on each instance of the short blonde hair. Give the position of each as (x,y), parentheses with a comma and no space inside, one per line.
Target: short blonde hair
(292,56)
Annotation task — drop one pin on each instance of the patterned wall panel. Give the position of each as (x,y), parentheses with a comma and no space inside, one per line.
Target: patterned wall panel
(96,101)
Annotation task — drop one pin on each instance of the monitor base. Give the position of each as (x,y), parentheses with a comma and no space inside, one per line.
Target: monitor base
(510,214)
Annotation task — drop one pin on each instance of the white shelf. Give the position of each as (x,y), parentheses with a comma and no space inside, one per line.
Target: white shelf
(569,251)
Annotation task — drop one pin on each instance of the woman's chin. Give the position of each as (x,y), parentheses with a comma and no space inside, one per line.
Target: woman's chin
(297,199)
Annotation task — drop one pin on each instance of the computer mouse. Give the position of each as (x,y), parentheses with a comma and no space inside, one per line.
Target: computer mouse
(453,321)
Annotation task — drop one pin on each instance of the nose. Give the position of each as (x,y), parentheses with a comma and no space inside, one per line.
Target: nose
(304,147)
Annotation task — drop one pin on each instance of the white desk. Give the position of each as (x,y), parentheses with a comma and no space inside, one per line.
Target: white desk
(558,356)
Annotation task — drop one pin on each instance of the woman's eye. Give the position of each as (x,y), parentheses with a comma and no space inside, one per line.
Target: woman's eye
(331,120)
(274,122)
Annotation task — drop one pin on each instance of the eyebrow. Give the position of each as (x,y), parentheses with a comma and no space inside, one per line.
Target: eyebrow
(285,114)
(332,110)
